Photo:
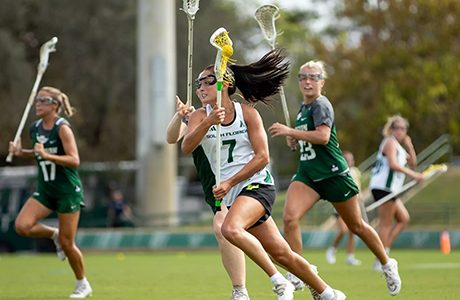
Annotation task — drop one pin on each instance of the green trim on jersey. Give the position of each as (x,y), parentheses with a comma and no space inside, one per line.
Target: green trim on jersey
(389,179)
(205,174)
(319,161)
(54,179)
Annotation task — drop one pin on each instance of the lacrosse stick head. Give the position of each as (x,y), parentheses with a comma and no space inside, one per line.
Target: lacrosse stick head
(191,7)
(45,50)
(224,45)
(266,15)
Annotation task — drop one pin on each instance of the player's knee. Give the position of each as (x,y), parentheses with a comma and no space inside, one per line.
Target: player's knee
(218,232)
(231,233)
(290,220)
(22,228)
(282,256)
(67,244)
(357,227)
(405,220)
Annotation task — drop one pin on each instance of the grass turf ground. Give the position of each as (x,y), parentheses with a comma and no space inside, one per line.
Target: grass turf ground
(199,275)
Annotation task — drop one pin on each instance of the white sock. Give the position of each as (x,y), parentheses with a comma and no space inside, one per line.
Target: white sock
(55,234)
(350,256)
(277,278)
(82,281)
(328,293)
(387,251)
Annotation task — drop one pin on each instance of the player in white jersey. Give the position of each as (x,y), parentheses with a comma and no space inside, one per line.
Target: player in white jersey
(248,224)
(388,177)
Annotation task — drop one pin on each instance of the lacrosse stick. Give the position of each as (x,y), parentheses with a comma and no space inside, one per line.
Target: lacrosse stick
(427,174)
(45,50)
(190,8)
(266,15)
(222,42)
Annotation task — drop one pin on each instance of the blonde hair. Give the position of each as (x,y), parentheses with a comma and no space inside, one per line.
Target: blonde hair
(318,65)
(62,98)
(391,121)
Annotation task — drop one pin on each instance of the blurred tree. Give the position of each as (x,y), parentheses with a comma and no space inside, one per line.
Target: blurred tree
(390,57)
(383,57)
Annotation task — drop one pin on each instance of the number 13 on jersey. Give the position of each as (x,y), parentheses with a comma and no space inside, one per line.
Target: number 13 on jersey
(306,150)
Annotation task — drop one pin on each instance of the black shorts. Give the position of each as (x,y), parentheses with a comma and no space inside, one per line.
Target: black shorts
(263,193)
(379,194)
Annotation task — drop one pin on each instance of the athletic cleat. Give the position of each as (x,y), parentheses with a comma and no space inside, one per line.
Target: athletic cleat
(314,293)
(82,291)
(338,295)
(330,255)
(296,282)
(60,253)
(377,266)
(239,294)
(390,271)
(285,290)
(353,261)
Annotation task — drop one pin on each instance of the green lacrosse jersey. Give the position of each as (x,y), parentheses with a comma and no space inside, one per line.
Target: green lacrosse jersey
(205,173)
(319,161)
(53,179)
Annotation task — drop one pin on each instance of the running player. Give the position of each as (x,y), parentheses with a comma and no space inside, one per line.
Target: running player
(388,176)
(323,172)
(59,187)
(232,257)
(247,186)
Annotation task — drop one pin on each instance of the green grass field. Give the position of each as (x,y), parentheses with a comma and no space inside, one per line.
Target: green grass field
(199,275)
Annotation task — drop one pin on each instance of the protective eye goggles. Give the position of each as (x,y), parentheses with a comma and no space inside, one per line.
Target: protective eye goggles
(312,76)
(46,100)
(206,80)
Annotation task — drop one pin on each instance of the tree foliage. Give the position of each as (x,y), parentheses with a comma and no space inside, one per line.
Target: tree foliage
(383,57)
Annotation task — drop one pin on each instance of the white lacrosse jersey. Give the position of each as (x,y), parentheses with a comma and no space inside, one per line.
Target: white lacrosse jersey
(383,178)
(236,151)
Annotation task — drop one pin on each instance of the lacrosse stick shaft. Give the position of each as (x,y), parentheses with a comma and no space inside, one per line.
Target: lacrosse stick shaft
(190,62)
(218,142)
(9,158)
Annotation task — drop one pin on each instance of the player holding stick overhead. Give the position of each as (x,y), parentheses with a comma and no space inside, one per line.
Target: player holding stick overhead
(59,187)
(246,185)
(323,172)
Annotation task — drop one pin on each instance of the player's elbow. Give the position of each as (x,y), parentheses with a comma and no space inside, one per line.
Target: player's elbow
(76,162)
(264,159)
(186,149)
(324,139)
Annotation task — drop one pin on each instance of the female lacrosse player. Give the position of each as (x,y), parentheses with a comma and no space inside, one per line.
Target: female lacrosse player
(323,172)
(59,187)
(343,229)
(232,257)
(247,186)
(388,176)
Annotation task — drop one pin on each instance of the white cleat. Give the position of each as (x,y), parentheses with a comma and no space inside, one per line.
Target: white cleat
(393,280)
(296,282)
(285,290)
(330,255)
(353,261)
(82,291)
(239,294)
(314,293)
(377,266)
(338,295)
(60,253)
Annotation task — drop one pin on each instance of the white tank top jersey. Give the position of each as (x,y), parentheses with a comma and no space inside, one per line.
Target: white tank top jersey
(383,178)
(236,152)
